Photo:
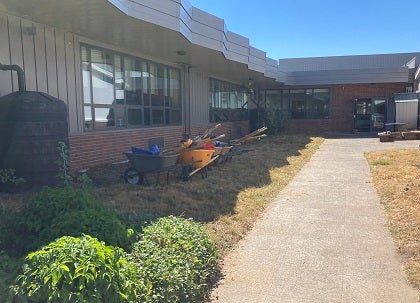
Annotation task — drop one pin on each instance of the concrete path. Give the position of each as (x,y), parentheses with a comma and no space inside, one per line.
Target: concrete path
(324,239)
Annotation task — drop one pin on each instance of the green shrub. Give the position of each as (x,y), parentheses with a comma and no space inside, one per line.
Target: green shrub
(98,222)
(56,212)
(9,269)
(178,258)
(137,221)
(9,182)
(10,231)
(79,270)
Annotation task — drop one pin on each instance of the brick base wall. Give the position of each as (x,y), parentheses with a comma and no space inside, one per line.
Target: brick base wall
(342,106)
(97,148)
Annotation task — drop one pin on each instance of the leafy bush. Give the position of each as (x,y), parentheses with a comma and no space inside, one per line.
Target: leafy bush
(9,269)
(137,221)
(98,222)
(63,163)
(57,212)
(79,270)
(8,180)
(178,258)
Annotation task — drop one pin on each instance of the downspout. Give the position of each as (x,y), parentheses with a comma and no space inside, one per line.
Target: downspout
(189,100)
(184,103)
(186,94)
(20,75)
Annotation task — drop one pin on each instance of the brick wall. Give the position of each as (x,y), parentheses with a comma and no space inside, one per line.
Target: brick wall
(96,148)
(342,104)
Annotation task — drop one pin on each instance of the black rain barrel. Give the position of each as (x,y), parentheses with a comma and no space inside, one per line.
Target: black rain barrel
(31,125)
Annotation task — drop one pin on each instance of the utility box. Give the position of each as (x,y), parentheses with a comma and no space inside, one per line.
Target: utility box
(407,110)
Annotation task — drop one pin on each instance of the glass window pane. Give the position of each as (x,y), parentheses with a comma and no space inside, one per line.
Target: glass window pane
(273,99)
(109,117)
(233,96)
(226,101)
(167,116)
(114,82)
(244,99)
(157,116)
(322,98)
(119,80)
(104,117)
(225,95)
(297,100)
(175,116)
(146,116)
(135,116)
(86,76)
(145,83)
(157,87)
(102,77)
(285,99)
(133,78)
(88,117)
(175,88)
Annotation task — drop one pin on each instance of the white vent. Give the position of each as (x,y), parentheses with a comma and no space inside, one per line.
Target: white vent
(409,89)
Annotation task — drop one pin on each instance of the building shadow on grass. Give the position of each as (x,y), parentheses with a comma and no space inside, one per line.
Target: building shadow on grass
(237,180)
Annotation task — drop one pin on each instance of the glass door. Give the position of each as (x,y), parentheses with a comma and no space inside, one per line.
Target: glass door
(378,113)
(369,114)
(362,114)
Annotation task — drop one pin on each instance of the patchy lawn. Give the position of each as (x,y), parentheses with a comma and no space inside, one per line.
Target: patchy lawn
(229,200)
(396,175)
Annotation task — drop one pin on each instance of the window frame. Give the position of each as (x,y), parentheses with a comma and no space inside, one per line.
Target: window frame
(301,107)
(171,106)
(227,101)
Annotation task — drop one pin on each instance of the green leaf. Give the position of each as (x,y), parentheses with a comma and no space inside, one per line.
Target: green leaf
(65,267)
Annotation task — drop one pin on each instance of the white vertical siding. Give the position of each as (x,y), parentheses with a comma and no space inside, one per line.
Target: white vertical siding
(406,112)
(28,50)
(60,56)
(51,63)
(5,76)
(15,42)
(69,44)
(47,56)
(40,58)
(199,109)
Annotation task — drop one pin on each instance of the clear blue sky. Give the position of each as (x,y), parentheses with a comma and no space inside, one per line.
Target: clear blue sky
(313,28)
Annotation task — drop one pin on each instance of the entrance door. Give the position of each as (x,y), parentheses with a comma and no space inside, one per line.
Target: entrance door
(378,114)
(369,114)
(362,114)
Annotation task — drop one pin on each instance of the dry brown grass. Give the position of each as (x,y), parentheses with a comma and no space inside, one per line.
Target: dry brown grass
(396,175)
(230,199)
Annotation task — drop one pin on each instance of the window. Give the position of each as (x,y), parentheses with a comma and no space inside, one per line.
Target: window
(299,103)
(228,101)
(309,103)
(121,91)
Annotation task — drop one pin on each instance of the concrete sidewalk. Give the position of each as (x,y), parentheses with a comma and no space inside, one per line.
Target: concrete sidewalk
(324,239)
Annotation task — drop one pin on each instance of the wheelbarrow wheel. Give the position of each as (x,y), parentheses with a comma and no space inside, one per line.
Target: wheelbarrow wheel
(204,172)
(185,172)
(132,176)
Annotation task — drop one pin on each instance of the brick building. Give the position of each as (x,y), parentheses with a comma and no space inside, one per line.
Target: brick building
(132,71)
